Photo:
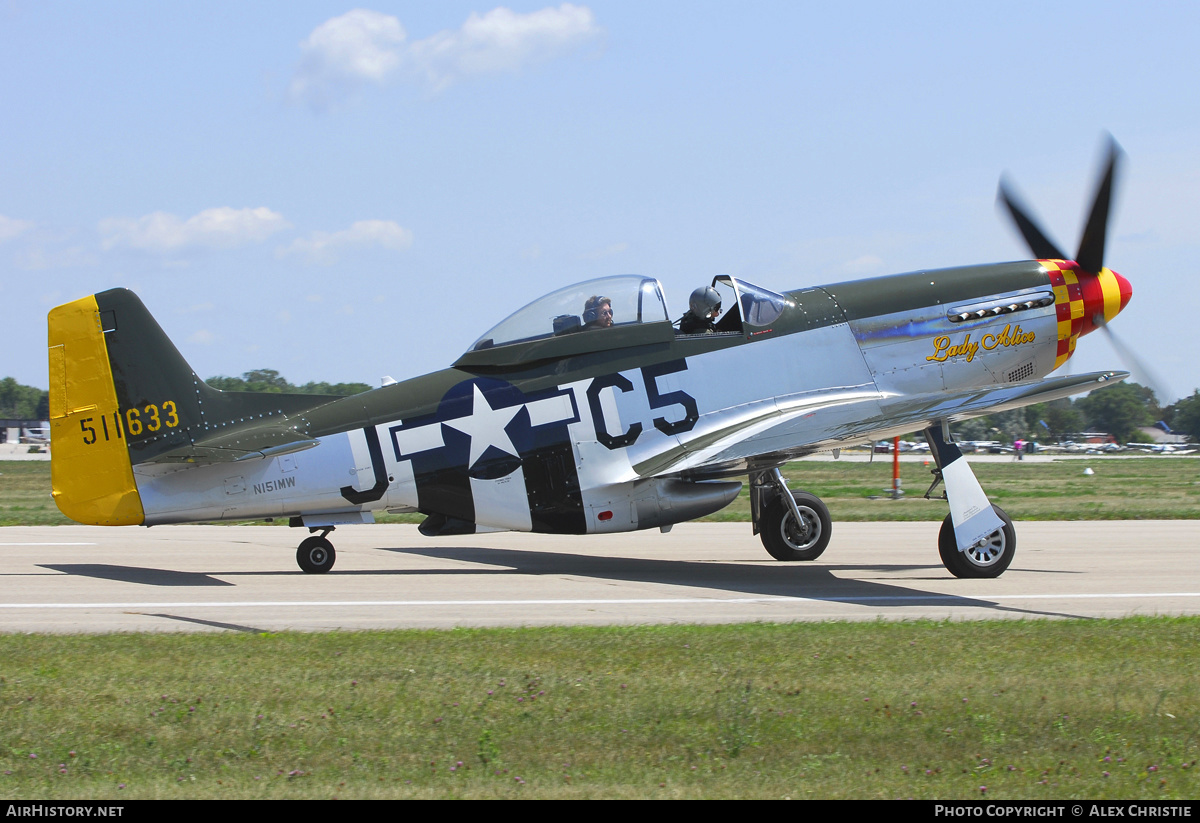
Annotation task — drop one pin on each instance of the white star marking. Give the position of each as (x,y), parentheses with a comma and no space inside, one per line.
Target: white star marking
(485,427)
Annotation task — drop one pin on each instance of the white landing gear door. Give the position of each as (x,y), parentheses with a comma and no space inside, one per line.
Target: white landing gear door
(970,510)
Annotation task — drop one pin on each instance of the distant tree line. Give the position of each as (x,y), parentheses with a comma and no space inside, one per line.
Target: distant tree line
(1119,410)
(269,380)
(23,402)
(29,403)
(1184,415)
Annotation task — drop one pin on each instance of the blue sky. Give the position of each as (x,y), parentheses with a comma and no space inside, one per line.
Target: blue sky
(342,192)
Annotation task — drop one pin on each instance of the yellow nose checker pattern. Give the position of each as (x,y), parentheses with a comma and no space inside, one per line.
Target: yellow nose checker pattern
(91,473)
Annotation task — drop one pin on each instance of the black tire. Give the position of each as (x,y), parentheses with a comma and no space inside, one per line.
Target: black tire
(987,558)
(315,555)
(780,535)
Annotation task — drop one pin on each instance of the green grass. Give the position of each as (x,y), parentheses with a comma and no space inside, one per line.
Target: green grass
(1150,488)
(1037,710)
(1042,710)
(25,494)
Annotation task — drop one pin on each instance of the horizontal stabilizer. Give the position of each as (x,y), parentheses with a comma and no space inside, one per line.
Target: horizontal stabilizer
(230,446)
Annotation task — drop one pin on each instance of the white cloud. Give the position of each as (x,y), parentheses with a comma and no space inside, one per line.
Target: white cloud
(10,227)
(367,47)
(321,247)
(502,40)
(342,53)
(219,228)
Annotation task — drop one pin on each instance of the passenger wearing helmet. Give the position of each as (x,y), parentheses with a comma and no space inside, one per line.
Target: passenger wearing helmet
(597,312)
(703,308)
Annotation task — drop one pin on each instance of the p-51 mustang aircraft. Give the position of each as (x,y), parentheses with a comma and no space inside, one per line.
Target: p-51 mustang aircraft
(589,411)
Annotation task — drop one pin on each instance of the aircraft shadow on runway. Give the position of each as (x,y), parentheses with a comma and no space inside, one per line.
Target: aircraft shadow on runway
(798,580)
(137,574)
(801,581)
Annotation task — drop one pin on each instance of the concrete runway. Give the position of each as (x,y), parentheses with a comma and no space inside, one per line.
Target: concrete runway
(244,578)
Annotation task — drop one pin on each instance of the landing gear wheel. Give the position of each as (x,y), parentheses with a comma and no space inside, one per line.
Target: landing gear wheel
(987,558)
(787,540)
(315,555)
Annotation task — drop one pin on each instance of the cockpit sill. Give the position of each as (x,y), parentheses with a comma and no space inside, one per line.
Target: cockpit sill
(528,352)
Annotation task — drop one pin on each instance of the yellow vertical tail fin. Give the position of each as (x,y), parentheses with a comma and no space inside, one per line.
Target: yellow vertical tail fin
(90,469)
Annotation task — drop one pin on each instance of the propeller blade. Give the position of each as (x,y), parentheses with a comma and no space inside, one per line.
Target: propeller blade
(1142,373)
(1091,247)
(1041,247)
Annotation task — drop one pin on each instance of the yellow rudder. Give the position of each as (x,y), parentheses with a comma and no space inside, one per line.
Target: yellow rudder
(90,470)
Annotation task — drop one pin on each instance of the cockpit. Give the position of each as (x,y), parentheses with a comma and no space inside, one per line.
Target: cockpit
(615,312)
(609,302)
(752,306)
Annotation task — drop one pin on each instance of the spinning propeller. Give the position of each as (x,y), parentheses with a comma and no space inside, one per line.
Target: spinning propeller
(1088,295)
(1091,246)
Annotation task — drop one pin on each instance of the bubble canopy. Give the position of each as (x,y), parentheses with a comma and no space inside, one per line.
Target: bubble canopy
(633,299)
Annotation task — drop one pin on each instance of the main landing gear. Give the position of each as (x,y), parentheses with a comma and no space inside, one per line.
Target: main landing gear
(792,525)
(796,525)
(316,554)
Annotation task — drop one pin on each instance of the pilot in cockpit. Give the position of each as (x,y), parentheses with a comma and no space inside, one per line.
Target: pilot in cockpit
(597,312)
(703,308)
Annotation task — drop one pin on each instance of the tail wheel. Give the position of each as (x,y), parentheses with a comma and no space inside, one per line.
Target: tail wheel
(787,540)
(315,555)
(988,557)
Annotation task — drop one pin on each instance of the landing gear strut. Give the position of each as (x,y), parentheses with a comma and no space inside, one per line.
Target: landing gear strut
(989,555)
(316,554)
(792,525)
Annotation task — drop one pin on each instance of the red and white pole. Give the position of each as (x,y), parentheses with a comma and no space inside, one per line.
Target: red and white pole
(896,468)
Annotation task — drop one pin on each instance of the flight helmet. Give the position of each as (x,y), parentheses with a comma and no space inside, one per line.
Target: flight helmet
(704,300)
